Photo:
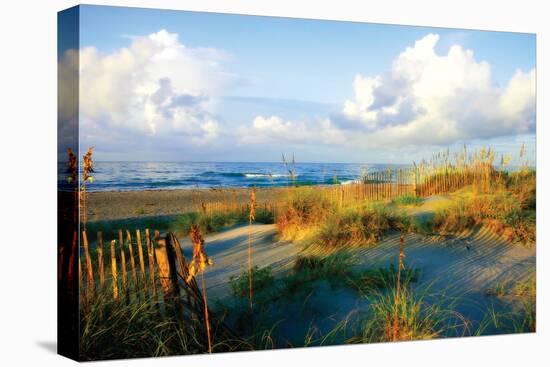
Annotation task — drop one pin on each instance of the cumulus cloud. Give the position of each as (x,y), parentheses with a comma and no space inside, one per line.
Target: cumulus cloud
(423,99)
(426,98)
(156,87)
(273,129)
(164,94)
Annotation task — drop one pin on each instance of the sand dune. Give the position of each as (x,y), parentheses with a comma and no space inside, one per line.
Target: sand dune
(229,249)
(461,268)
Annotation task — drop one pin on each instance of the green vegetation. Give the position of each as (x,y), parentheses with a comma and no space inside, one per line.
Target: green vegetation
(310,217)
(383,278)
(523,319)
(334,268)
(360,226)
(179,224)
(110,329)
(261,279)
(407,200)
(417,319)
(505,213)
(306,209)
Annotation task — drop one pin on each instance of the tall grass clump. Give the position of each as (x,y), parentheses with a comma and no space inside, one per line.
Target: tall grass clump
(417,319)
(305,210)
(335,268)
(399,314)
(262,278)
(360,226)
(503,213)
(111,329)
(521,319)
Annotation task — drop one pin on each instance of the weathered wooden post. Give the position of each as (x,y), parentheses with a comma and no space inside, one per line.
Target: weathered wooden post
(100,260)
(173,242)
(114,280)
(89,269)
(150,256)
(166,263)
(123,262)
(141,262)
(132,260)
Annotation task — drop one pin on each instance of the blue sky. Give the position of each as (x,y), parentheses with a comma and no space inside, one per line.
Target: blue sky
(316,88)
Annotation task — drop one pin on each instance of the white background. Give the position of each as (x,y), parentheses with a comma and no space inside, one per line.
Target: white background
(28,182)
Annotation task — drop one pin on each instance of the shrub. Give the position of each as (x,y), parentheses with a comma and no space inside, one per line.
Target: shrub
(454,219)
(502,213)
(353,228)
(360,227)
(522,225)
(306,209)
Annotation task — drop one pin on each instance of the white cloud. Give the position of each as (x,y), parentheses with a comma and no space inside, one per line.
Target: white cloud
(162,93)
(273,129)
(426,98)
(156,87)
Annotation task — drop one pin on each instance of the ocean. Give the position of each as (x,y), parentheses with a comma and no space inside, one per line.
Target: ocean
(130,176)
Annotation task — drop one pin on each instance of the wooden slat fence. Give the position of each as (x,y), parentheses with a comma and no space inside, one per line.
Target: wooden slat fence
(375,186)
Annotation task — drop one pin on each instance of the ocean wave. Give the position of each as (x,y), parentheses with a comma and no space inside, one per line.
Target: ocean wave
(349,182)
(260,175)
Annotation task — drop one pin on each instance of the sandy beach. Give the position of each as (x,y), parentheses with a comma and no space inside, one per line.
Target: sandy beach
(108,205)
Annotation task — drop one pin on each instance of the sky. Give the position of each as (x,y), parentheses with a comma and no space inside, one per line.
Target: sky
(158,85)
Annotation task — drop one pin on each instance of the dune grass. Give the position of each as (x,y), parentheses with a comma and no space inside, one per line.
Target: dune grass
(179,224)
(262,278)
(370,280)
(521,320)
(417,319)
(407,200)
(311,218)
(110,330)
(506,213)
(305,209)
(360,226)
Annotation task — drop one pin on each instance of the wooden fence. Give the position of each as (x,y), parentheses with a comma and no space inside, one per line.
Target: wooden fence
(375,186)
(135,268)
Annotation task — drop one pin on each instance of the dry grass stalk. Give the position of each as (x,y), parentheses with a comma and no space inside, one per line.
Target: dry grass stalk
(251,218)
(100,260)
(87,170)
(199,263)
(398,285)
(113,271)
